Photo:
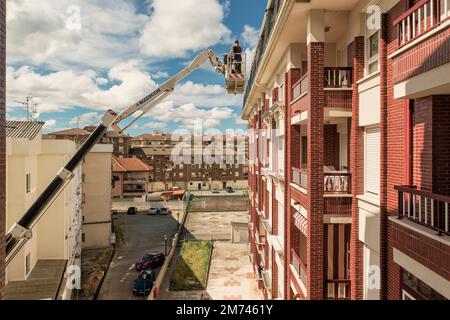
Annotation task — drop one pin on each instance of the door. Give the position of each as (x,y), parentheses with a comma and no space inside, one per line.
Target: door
(199,186)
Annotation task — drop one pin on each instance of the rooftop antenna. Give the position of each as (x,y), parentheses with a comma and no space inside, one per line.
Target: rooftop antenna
(32,107)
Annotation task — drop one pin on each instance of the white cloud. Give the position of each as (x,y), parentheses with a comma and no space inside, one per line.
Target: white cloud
(40,32)
(155,125)
(250,36)
(159,75)
(86,119)
(49,123)
(177,27)
(240,121)
(185,115)
(69,88)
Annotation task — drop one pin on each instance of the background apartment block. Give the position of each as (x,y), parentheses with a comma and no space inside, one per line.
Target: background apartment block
(156,150)
(130,177)
(353,200)
(38,271)
(96,197)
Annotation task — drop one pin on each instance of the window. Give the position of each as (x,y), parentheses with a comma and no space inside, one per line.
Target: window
(373,53)
(83,178)
(28,263)
(415,289)
(83,237)
(372,161)
(28,183)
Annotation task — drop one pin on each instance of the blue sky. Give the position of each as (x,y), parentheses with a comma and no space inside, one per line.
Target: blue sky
(81,57)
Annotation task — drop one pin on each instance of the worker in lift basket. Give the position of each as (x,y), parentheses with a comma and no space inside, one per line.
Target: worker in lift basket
(237,57)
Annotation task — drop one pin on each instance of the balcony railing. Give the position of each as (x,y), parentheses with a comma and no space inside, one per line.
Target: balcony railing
(420,19)
(300,177)
(337,183)
(338,77)
(338,289)
(300,268)
(424,207)
(271,18)
(300,87)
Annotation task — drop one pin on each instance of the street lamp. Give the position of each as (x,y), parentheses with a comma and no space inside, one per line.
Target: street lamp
(166,239)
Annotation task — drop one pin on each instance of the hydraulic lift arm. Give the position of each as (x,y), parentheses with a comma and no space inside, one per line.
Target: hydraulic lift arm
(21,232)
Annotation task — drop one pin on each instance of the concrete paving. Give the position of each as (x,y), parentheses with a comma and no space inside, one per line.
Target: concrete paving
(231,274)
(143,234)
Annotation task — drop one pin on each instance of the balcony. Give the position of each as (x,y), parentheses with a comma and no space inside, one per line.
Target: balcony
(269,23)
(338,84)
(337,183)
(420,19)
(338,289)
(337,193)
(299,270)
(300,88)
(300,177)
(338,78)
(425,208)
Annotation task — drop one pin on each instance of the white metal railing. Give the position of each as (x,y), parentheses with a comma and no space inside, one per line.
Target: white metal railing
(421,18)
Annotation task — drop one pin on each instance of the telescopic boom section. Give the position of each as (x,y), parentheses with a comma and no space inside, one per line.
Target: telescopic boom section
(21,232)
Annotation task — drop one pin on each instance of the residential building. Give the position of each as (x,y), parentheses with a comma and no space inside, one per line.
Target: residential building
(121,142)
(96,197)
(130,177)
(194,173)
(2,147)
(349,102)
(42,265)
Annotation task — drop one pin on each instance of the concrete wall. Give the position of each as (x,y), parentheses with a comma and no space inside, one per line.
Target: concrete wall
(57,231)
(97,192)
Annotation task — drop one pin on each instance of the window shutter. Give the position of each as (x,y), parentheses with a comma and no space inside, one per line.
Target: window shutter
(372,161)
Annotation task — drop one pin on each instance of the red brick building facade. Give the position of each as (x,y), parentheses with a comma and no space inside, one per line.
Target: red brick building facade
(356,98)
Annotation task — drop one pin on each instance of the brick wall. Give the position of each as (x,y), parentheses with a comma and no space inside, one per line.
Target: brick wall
(315,250)
(331,147)
(2,145)
(422,144)
(338,99)
(356,165)
(427,55)
(441,144)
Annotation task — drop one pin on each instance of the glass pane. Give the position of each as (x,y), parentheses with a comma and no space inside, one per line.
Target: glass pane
(373,45)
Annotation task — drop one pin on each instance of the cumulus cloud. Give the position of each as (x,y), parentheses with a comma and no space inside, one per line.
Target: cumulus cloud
(49,123)
(185,115)
(250,36)
(177,27)
(155,125)
(159,75)
(86,119)
(70,88)
(58,33)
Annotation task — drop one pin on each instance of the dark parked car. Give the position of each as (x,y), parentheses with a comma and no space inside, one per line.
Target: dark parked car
(215,191)
(150,261)
(230,190)
(153,211)
(164,211)
(144,283)
(132,211)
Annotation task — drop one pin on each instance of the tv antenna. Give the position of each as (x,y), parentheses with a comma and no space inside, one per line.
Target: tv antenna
(32,106)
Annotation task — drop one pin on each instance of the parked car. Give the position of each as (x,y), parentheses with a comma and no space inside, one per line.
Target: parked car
(132,211)
(144,283)
(153,211)
(215,191)
(152,260)
(164,211)
(230,190)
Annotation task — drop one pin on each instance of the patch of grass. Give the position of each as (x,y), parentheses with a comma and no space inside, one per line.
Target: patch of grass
(191,270)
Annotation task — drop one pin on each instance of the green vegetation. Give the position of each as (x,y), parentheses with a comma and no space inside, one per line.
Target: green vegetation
(191,270)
